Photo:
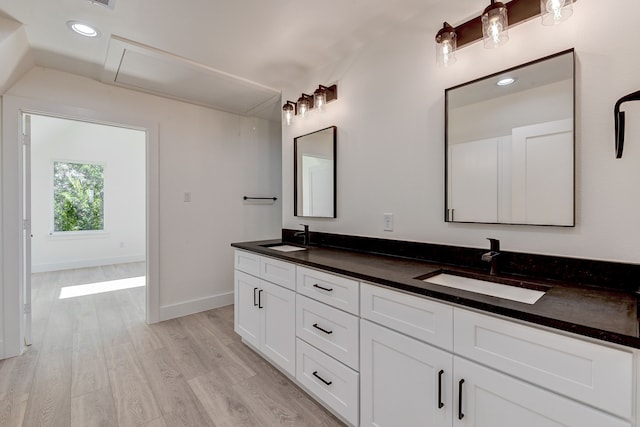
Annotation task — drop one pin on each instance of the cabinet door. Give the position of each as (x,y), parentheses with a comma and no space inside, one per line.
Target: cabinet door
(400,380)
(492,399)
(278,338)
(246,312)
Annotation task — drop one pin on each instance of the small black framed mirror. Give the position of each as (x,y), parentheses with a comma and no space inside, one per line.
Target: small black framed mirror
(314,168)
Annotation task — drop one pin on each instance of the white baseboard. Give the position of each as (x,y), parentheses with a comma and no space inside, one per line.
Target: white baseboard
(195,306)
(85,263)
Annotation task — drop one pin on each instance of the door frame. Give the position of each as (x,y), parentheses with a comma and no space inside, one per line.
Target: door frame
(12,214)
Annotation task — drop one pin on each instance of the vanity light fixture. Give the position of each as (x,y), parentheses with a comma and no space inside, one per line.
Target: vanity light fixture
(306,103)
(495,25)
(288,112)
(83,29)
(555,11)
(446,43)
(492,25)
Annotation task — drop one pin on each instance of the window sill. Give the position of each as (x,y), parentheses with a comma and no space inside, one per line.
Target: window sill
(78,235)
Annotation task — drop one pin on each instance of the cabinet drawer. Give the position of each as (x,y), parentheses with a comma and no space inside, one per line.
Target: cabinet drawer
(247,262)
(278,272)
(426,320)
(594,374)
(336,291)
(332,331)
(329,380)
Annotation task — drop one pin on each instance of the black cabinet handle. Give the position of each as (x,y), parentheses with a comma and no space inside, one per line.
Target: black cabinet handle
(260,299)
(323,288)
(460,414)
(440,404)
(315,325)
(254,297)
(315,374)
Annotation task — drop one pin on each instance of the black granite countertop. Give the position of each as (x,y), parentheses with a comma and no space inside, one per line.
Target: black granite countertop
(607,314)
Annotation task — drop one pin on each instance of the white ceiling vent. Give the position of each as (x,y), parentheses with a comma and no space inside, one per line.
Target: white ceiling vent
(106,3)
(146,69)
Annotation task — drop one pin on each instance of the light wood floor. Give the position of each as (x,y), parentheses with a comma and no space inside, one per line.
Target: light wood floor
(95,362)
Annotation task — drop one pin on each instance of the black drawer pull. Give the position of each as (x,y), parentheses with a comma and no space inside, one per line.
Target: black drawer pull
(315,325)
(315,374)
(440,403)
(323,288)
(260,299)
(460,414)
(254,297)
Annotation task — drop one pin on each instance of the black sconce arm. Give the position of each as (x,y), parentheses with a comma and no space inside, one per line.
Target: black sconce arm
(618,117)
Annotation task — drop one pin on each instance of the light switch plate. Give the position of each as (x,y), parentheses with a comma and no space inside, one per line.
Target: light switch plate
(388,222)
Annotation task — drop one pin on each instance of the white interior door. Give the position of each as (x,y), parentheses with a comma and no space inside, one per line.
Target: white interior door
(473,181)
(26,229)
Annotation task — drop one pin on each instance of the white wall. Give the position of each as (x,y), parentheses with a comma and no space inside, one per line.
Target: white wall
(390,119)
(218,157)
(122,153)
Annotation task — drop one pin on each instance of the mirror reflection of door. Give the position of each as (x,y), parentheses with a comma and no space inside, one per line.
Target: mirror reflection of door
(317,181)
(315,174)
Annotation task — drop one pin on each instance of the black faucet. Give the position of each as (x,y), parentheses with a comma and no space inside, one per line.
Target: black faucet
(492,255)
(305,235)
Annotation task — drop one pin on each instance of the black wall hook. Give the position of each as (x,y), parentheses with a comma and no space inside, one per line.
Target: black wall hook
(618,117)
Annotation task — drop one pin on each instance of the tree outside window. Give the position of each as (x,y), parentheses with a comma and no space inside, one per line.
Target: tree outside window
(78,197)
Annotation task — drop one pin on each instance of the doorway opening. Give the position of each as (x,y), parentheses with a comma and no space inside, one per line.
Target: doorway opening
(85,195)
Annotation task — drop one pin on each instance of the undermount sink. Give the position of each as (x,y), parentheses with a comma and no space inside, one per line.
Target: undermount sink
(484,287)
(285,248)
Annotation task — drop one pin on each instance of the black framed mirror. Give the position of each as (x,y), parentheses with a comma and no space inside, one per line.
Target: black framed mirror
(314,168)
(509,146)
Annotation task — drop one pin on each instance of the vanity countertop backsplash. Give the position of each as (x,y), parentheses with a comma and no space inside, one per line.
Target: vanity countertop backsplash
(597,299)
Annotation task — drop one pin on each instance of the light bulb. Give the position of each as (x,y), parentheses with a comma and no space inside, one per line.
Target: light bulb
(555,11)
(288,111)
(320,99)
(446,45)
(495,25)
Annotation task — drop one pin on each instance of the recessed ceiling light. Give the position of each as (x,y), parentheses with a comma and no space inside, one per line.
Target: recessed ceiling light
(83,29)
(506,81)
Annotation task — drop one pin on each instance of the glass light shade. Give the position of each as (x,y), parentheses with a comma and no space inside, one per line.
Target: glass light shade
(555,11)
(287,113)
(303,106)
(495,25)
(320,99)
(446,44)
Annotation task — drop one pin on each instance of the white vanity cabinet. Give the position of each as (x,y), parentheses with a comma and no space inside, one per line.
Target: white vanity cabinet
(533,377)
(327,329)
(380,357)
(265,311)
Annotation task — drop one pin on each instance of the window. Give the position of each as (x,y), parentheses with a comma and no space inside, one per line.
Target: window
(78,197)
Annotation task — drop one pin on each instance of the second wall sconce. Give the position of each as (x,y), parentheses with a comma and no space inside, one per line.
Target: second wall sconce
(492,25)
(306,103)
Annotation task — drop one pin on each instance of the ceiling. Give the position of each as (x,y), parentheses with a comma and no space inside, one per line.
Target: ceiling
(260,44)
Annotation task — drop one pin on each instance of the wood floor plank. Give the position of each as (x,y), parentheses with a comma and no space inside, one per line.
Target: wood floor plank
(178,403)
(215,354)
(88,365)
(50,397)
(94,409)
(112,328)
(225,405)
(133,398)
(12,411)
(181,347)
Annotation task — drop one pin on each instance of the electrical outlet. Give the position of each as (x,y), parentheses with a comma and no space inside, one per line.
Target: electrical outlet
(187,197)
(388,221)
